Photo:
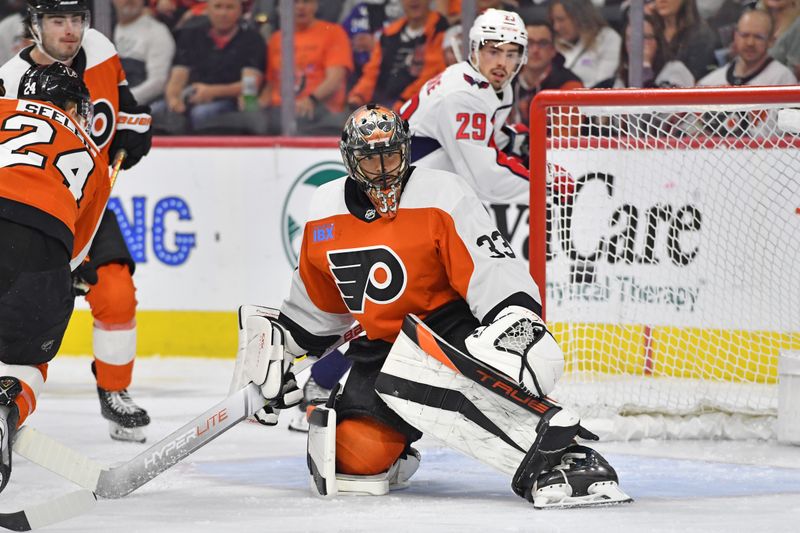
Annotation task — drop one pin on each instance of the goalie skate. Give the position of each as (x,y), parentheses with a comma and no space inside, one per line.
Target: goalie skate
(126,420)
(583,479)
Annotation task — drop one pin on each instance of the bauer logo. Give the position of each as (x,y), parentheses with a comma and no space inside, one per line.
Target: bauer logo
(295,207)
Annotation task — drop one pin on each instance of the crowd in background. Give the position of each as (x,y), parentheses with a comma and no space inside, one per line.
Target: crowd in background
(213,66)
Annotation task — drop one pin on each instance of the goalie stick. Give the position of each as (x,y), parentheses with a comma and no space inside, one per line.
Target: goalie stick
(121,480)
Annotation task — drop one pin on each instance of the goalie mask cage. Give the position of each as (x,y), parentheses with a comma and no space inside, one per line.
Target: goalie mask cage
(665,236)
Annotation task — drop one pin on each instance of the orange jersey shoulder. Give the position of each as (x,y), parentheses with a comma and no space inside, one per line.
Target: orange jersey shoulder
(48,163)
(103,75)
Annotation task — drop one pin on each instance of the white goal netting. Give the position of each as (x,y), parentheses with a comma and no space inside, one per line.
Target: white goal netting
(673,256)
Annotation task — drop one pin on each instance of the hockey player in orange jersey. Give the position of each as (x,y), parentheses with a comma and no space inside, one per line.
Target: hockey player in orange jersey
(54,186)
(60,30)
(390,245)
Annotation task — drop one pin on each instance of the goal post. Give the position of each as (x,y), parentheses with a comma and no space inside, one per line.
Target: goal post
(665,238)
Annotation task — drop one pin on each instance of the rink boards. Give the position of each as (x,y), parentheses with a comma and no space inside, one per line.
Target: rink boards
(214,223)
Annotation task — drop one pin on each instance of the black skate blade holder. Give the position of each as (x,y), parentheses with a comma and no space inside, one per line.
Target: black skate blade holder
(546,452)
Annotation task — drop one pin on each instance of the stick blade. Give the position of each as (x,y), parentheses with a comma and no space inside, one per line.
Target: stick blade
(50,512)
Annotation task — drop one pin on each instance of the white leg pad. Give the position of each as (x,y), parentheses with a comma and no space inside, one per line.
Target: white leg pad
(396,478)
(321,452)
(376,485)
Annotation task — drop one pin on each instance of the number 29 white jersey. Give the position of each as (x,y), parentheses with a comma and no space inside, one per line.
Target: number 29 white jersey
(456,122)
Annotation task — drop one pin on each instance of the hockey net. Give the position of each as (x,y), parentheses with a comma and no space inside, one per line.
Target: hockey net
(665,228)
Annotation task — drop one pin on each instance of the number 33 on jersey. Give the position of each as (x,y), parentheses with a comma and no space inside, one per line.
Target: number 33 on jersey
(52,176)
(441,247)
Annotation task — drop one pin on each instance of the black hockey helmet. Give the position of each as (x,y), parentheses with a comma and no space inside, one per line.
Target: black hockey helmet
(58,84)
(44,7)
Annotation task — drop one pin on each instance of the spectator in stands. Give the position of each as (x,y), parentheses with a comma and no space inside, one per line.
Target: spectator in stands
(783,12)
(589,46)
(544,70)
(384,10)
(211,59)
(689,38)
(12,30)
(408,53)
(323,59)
(722,18)
(146,48)
(361,24)
(172,13)
(787,48)
(658,69)
(752,64)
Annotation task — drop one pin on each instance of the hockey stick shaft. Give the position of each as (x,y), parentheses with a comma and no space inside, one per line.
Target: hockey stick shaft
(119,481)
(50,512)
(119,158)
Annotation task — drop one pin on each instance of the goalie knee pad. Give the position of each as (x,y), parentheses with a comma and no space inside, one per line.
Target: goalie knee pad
(360,446)
(365,446)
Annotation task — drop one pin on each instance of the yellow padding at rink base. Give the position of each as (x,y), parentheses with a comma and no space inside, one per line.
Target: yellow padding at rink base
(189,333)
(721,354)
(726,355)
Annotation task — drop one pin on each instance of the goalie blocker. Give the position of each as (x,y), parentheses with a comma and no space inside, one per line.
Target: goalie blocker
(481,412)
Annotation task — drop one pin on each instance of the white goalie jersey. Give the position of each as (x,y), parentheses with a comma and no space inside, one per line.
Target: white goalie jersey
(455,123)
(441,247)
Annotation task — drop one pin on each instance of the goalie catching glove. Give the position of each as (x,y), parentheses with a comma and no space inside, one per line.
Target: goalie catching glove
(518,344)
(266,354)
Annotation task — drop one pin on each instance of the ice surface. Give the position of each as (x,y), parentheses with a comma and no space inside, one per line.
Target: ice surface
(254,478)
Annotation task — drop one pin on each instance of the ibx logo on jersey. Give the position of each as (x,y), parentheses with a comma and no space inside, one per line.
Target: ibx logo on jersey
(374,273)
(322,232)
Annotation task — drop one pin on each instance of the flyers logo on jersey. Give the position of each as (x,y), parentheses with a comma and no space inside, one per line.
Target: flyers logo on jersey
(374,273)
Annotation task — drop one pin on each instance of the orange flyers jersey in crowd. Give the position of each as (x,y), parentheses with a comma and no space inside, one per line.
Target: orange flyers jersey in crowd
(442,246)
(316,48)
(52,176)
(99,65)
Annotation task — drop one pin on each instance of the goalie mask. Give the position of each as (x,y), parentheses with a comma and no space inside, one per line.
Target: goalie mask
(375,150)
(59,85)
(496,28)
(49,34)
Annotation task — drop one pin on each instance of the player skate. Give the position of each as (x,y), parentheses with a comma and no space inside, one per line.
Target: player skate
(9,416)
(126,420)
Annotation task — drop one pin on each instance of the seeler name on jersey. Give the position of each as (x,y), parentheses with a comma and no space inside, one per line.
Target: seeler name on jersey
(60,117)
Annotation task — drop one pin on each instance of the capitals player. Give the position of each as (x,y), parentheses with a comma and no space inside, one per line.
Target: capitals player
(54,186)
(60,30)
(458,119)
(387,242)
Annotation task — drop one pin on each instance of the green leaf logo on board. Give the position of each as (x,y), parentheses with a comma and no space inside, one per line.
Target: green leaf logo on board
(296,204)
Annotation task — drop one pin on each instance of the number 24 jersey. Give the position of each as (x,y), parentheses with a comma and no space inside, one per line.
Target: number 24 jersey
(52,176)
